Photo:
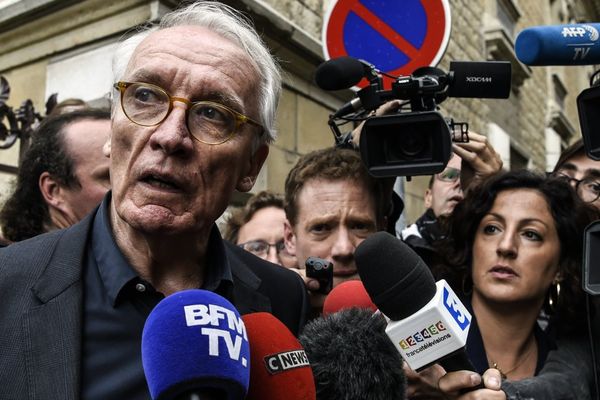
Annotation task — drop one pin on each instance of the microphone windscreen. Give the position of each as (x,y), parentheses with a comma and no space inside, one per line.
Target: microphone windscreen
(339,73)
(352,357)
(571,44)
(195,340)
(347,295)
(280,368)
(396,278)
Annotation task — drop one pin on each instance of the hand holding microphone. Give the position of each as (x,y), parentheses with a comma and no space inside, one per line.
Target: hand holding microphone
(428,323)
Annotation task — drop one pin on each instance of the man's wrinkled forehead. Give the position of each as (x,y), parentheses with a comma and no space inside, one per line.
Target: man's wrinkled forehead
(190,43)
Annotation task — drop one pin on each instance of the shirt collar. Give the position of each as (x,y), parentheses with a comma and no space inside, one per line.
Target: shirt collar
(116,272)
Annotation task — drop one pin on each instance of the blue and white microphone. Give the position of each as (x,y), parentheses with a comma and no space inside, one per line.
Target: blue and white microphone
(195,346)
(571,44)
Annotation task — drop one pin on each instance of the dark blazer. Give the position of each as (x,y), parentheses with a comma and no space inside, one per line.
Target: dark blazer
(41,305)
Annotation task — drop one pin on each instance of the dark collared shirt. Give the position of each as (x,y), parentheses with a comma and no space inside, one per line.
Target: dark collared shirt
(116,304)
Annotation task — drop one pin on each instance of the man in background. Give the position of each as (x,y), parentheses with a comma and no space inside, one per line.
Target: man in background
(257,227)
(332,204)
(62,177)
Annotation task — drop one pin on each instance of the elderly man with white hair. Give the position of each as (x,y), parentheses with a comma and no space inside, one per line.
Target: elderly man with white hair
(195,101)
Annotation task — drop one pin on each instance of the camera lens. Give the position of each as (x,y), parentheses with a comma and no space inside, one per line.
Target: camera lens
(413,145)
(408,146)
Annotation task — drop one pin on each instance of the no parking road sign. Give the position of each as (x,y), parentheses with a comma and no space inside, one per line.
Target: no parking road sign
(397,36)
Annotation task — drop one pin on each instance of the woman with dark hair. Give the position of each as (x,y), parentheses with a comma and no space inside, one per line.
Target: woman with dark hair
(513,248)
(516,245)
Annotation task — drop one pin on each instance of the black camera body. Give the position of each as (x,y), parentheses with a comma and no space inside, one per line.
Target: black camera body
(321,270)
(417,142)
(588,104)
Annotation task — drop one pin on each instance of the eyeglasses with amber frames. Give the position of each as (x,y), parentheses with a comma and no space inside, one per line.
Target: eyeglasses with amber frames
(208,122)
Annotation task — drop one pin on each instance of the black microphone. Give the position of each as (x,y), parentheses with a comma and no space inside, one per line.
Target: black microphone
(428,323)
(350,107)
(352,357)
(342,73)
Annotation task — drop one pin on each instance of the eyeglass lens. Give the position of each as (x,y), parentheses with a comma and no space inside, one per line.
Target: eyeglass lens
(149,105)
(588,189)
(261,247)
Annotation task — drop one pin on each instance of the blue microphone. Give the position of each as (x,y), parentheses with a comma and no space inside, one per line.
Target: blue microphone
(571,44)
(195,346)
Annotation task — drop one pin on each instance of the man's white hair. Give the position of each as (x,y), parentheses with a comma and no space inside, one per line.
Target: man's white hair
(230,24)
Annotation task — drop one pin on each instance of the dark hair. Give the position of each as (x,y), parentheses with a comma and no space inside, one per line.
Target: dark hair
(571,215)
(333,164)
(25,212)
(240,216)
(575,149)
(352,357)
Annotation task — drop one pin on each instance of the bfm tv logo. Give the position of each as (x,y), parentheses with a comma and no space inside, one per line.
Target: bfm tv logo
(211,315)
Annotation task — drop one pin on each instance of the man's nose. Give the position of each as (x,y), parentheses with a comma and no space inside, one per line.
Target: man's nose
(343,245)
(273,256)
(172,135)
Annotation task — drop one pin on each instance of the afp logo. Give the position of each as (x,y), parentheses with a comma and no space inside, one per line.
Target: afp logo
(580,32)
(455,308)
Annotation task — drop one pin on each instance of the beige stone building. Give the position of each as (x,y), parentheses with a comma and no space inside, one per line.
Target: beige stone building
(65,47)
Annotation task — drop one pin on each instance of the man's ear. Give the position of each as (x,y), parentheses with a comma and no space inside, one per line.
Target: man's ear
(289,238)
(256,162)
(428,198)
(50,189)
(106,147)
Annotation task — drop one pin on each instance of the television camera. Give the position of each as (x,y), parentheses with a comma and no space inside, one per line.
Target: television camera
(415,142)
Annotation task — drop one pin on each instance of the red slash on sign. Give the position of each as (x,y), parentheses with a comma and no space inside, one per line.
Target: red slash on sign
(396,36)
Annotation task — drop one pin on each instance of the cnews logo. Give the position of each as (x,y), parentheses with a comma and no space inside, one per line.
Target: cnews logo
(416,338)
(281,362)
(211,315)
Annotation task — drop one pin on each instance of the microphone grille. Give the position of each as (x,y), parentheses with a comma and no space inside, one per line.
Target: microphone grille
(339,73)
(397,279)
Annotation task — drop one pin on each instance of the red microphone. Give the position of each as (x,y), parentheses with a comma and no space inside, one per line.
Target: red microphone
(347,295)
(279,367)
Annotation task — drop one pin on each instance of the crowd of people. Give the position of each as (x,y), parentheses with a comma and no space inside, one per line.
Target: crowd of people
(113,211)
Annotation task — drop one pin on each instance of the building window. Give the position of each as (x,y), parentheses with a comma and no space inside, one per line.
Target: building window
(507,15)
(517,160)
(500,20)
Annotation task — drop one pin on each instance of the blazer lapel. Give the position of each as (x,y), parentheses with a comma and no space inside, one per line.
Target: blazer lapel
(247,298)
(52,330)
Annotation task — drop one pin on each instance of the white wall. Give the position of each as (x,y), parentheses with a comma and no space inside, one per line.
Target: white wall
(85,75)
